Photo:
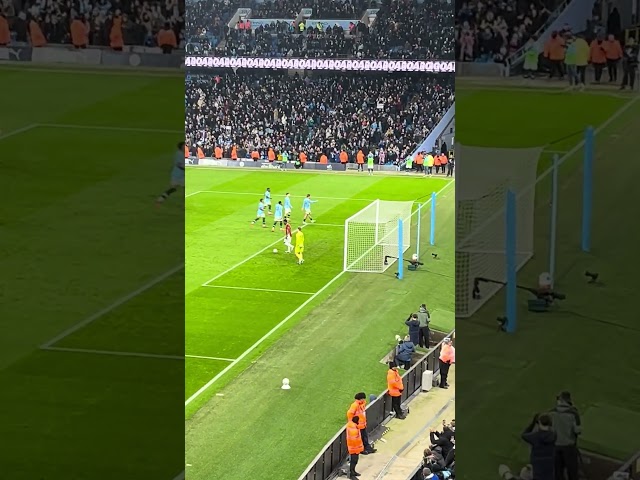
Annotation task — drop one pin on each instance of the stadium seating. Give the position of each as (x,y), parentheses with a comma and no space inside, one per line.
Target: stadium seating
(402,29)
(315,115)
(141,21)
(490,31)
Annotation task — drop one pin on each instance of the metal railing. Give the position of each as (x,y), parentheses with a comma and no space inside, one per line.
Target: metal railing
(334,454)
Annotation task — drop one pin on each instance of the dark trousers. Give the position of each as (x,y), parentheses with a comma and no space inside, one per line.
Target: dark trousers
(567,461)
(612,68)
(424,337)
(365,440)
(396,405)
(429,170)
(599,68)
(449,170)
(353,461)
(582,73)
(629,76)
(556,67)
(444,372)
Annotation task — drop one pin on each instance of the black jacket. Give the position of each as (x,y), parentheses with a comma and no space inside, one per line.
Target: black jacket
(542,456)
(630,56)
(442,440)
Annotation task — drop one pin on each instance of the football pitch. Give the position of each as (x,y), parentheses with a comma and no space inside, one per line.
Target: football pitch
(582,346)
(86,257)
(255,317)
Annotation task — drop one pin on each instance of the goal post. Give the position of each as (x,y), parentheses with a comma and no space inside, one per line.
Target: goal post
(373,234)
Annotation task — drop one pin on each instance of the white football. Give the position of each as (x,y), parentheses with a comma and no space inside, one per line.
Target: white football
(414,257)
(275,250)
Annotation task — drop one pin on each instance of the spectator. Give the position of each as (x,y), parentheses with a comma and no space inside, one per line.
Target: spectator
(405,350)
(541,438)
(323,114)
(414,328)
(443,440)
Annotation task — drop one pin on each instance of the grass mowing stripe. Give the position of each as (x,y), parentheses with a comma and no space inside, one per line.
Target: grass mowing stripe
(106,127)
(259,289)
(279,325)
(113,306)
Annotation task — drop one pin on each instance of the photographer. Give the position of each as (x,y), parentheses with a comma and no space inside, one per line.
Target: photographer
(414,328)
(542,439)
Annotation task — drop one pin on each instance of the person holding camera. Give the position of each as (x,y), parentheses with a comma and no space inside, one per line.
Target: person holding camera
(414,328)
(542,441)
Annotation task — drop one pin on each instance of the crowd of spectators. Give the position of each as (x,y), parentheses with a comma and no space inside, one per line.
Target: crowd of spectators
(113,23)
(492,30)
(402,29)
(439,459)
(319,115)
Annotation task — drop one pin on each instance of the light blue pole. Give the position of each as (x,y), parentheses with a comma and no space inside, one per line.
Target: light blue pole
(400,249)
(554,219)
(433,218)
(587,189)
(418,236)
(510,248)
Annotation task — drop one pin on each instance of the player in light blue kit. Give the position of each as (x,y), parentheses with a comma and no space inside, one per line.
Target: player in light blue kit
(177,175)
(267,200)
(306,206)
(278,217)
(287,206)
(260,214)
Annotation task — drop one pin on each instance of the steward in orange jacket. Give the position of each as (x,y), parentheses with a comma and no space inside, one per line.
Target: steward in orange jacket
(447,358)
(354,446)
(395,386)
(358,409)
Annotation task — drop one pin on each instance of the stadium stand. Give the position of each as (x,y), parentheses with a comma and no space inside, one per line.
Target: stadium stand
(491,31)
(398,29)
(107,23)
(316,115)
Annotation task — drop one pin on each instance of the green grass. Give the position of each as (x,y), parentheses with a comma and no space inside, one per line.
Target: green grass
(583,346)
(78,231)
(330,349)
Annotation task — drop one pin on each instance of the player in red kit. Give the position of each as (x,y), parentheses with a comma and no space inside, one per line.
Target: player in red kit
(287,236)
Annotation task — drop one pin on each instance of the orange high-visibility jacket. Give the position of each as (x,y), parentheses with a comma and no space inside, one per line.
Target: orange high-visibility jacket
(200,153)
(448,354)
(394,383)
(218,153)
(354,439)
(357,408)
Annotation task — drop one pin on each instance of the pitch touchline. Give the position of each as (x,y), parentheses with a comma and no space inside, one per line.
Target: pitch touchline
(259,289)
(117,353)
(206,386)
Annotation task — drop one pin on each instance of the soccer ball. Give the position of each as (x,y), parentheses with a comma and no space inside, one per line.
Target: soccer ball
(275,250)
(414,257)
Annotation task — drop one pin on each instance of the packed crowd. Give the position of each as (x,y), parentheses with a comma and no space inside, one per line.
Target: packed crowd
(271,113)
(439,459)
(492,30)
(113,23)
(405,29)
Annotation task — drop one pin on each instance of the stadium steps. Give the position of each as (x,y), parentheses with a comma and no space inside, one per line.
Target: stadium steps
(400,450)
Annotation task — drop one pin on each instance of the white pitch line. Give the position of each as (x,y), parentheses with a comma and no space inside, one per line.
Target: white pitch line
(18,131)
(193,193)
(259,289)
(108,128)
(211,358)
(114,353)
(180,476)
(112,306)
(206,386)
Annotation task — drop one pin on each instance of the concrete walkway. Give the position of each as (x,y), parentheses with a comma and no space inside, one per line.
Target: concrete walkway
(401,447)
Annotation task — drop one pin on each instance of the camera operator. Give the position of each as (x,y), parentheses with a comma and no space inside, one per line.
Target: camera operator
(424,318)
(414,328)
(542,439)
(567,427)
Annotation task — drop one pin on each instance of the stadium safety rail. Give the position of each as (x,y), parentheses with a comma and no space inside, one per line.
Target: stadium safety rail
(334,454)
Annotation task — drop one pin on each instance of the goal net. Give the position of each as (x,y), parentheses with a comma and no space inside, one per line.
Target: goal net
(480,217)
(373,234)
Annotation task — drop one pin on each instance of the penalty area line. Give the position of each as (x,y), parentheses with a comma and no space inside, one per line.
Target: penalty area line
(259,289)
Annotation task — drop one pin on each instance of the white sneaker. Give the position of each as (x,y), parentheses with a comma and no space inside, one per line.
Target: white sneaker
(503,470)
